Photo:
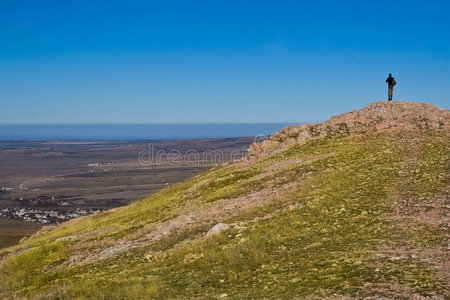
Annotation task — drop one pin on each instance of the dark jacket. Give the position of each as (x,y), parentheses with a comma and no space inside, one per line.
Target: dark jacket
(390,81)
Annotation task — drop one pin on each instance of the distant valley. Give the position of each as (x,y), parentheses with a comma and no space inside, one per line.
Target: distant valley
(47,182)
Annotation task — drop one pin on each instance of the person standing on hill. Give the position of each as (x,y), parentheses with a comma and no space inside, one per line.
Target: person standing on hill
(391,82)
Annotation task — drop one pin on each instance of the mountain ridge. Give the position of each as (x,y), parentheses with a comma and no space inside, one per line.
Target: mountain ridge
(378,116)
(317,210)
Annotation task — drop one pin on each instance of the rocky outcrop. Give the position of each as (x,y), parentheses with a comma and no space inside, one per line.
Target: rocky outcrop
(219,227)
(378,116)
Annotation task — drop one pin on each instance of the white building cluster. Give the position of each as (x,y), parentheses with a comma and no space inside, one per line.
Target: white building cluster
(44,216)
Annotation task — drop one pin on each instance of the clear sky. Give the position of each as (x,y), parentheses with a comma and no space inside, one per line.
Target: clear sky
(216,61)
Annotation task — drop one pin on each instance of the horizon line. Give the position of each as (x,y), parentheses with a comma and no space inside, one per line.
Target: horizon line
(200,123)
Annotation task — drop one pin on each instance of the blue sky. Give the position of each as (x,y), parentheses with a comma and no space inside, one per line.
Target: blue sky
(216,61)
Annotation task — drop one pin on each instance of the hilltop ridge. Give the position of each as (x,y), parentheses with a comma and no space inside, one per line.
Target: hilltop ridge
(377,117)
(355,207)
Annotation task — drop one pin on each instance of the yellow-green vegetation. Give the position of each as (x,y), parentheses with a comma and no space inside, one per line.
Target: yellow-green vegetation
(320,240)
(431,174)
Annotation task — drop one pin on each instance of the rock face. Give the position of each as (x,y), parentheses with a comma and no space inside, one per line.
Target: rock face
(378,116)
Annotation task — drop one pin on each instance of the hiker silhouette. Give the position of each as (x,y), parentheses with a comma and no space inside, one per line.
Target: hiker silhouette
(391,82)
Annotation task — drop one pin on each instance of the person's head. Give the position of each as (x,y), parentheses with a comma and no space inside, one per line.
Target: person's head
(390,75)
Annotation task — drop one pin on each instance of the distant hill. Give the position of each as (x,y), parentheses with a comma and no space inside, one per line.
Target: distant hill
(355,207)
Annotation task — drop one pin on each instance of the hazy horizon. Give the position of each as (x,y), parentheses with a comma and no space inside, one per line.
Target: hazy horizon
(24,132)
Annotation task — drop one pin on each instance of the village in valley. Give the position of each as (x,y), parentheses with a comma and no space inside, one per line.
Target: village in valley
(49,217)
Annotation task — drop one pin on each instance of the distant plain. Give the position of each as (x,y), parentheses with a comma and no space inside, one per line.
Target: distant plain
(62,175)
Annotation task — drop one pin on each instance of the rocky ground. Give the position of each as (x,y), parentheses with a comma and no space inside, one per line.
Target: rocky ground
(377,117)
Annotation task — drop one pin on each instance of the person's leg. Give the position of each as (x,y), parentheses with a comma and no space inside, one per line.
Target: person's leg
(390,90)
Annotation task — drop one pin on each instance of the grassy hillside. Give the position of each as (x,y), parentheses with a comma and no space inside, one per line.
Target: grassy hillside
(348,215)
